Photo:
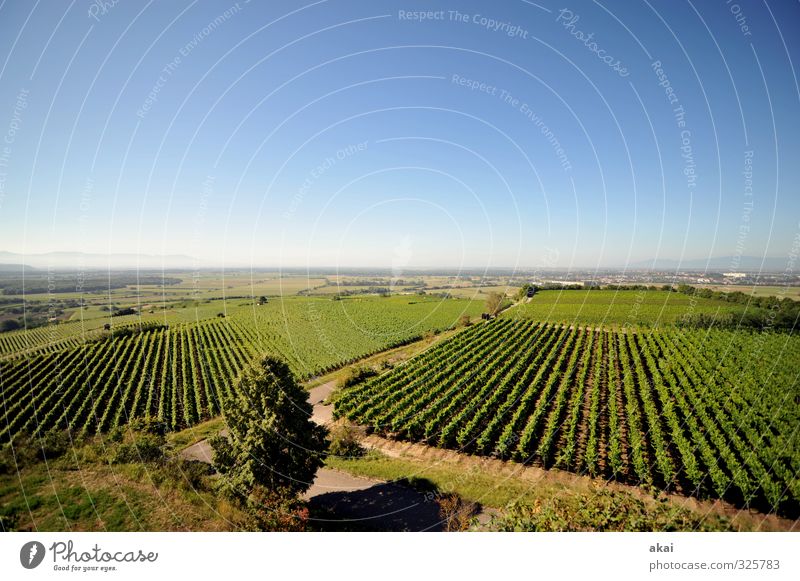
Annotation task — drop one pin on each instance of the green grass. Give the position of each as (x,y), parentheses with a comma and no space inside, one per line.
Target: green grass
(82,491)
(492,490)
(791,292)
(646,308)
(550,504)
(192,435)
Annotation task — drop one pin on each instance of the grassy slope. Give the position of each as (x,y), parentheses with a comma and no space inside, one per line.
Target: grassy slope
(82,492)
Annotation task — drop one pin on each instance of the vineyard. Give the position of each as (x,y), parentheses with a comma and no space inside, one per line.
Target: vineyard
(614,307)
(710,413)
(176,373)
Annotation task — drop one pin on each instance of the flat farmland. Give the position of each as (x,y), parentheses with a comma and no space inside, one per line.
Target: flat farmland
(651,307)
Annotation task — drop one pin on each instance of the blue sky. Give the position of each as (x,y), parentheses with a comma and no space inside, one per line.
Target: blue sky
(354,134)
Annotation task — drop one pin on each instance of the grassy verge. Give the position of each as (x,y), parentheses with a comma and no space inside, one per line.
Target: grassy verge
(91,488)
(472,484)
(525,504)
(194,434)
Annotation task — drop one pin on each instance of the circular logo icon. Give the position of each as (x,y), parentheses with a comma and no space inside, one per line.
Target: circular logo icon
(31,554)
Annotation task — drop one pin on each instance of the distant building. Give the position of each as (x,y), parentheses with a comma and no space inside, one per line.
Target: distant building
(735,274)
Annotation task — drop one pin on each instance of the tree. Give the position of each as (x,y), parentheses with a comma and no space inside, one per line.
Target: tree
(273,446)
(9,325)
(526,291)
(494,303)
(262,300)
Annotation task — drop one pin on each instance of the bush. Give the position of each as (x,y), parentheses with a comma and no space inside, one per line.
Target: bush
(143,447)
(9,520)
(603,509)
(275,510)
(53,444)
(189,475)
(356,375)
(124,312)
(150,426)
(25,450)
(346,442)
(9,325)
(456,513)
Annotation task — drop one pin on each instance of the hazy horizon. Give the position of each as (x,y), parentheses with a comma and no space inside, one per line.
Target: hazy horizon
(65,259)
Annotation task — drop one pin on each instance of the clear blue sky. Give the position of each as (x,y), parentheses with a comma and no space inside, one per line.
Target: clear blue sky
(230,132)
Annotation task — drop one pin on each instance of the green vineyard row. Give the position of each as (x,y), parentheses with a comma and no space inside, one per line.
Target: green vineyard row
(708,413)
(177,374)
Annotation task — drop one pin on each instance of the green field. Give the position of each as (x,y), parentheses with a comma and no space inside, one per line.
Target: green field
(709,413)
(791,292)
(596,382)
(176,374)
(625,307)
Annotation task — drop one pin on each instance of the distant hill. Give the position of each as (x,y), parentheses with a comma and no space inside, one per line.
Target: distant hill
(717,264)
(17,269)
(71,260)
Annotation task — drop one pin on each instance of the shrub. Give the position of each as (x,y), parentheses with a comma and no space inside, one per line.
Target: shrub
(603,509)
(275,510)
(28,449)
(456,513)
(190,475)
(356,375)
(346,442)
(142,447)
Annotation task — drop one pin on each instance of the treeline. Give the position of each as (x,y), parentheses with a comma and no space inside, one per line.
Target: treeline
(29,314)
(130,330)
(376,290)
(70,283)
(763,313)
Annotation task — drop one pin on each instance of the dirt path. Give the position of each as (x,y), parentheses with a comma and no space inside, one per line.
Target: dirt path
(199,451)
(322,414)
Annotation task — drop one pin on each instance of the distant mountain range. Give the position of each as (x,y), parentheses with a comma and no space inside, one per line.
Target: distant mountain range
(14,263)
(717,264)
(9,261)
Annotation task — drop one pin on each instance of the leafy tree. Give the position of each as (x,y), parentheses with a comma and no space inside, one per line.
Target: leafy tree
(273,445)
(9,325)
(262,300)
(494,303)
(525,291)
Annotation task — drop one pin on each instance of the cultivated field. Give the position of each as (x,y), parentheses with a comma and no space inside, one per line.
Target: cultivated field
(175,372)
(711,413)
(619,307)
(594,382)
